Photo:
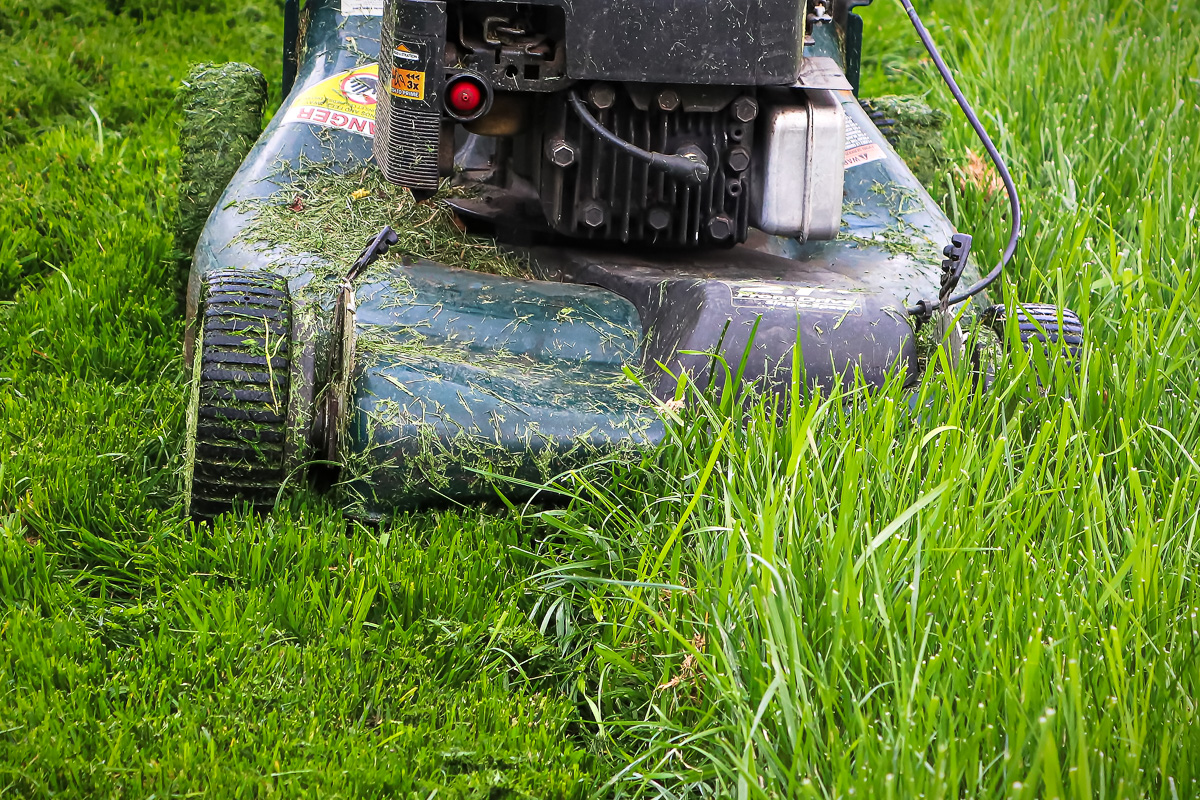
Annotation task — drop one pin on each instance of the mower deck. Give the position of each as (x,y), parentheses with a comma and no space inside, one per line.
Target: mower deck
(454,378)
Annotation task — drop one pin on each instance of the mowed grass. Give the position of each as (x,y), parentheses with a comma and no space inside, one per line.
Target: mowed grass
(953,595)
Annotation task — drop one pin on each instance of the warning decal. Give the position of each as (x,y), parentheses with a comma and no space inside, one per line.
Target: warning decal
(799,298)
(345,101)
(408,84)
(859,147)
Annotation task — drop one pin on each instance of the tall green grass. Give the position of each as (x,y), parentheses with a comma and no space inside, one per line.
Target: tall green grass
(952,593)
(868,593)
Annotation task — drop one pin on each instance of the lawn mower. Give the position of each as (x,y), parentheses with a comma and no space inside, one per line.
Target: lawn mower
(691,190)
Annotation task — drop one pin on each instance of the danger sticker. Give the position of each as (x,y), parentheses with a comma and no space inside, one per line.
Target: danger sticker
(346,102)
(362,8)
(859,147)
(408,84)
(797,298)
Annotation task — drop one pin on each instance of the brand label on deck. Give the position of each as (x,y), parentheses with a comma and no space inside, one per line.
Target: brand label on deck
(346,102)
(757,294)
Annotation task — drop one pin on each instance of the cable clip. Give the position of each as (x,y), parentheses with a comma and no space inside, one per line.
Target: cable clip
(956,253)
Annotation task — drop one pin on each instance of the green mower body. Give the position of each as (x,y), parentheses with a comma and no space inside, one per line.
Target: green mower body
(406,382)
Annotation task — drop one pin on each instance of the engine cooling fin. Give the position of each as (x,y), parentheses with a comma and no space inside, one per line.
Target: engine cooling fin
(242,379)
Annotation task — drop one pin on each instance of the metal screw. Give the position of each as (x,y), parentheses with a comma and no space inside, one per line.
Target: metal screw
(561,153)
(659,219)
(720,228)
(738,159)
(594,214)
(602,96)
(668,100)
(744,109)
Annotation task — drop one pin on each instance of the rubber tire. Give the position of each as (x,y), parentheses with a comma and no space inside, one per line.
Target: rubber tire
(1038,322)
(242,376)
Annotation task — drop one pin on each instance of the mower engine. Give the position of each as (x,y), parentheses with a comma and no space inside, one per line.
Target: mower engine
(677,123)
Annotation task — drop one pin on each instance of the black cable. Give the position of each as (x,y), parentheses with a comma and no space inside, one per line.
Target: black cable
(691,167)
(924,307)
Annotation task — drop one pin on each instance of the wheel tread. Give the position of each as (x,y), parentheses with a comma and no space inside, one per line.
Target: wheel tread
(241,420)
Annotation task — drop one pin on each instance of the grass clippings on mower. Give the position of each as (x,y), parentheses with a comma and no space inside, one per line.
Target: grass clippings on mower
(336,214)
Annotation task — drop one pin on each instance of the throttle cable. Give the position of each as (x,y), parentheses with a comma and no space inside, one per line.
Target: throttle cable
(924,307)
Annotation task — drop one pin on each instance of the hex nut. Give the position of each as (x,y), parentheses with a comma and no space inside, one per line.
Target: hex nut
(602,96)
(561,153)
(720,228)
(594,215)
(744,109)
(668,100)
(738,159)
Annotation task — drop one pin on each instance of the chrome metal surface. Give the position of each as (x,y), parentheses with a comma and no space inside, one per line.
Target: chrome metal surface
(800,168)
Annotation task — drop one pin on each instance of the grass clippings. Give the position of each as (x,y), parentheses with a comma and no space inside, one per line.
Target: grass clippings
(917,131)
(334,214)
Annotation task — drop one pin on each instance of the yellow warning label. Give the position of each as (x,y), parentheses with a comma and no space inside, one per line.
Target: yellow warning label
(345,101)
(408,84)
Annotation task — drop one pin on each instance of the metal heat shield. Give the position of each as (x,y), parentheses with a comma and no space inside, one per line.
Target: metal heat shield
(800,167)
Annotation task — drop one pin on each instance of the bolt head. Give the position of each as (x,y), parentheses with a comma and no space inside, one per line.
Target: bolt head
(659,219)
(720,228)
(744,109)
(602,96)
(738,159)
(668,100)
(562,154)
(593,215)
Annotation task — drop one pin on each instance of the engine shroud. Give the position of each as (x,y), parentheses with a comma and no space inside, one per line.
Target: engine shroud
(744,43)
(596,114)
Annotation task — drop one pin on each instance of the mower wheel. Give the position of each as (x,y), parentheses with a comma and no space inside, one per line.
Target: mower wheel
(240,382)
(1038,322)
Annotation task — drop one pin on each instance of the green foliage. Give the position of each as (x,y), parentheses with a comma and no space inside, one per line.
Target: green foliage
(140,655)
(955,594)
(282,655)
(88,124)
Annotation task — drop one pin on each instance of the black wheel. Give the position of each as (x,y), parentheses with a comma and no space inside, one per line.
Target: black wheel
(240,388)
(1038,322)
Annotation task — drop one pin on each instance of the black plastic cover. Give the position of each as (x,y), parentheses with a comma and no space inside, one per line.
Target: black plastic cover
(732,42)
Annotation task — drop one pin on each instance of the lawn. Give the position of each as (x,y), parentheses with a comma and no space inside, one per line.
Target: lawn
(957,594)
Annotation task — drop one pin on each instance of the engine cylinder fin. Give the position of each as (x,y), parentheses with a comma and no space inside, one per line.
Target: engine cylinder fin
(609,195)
